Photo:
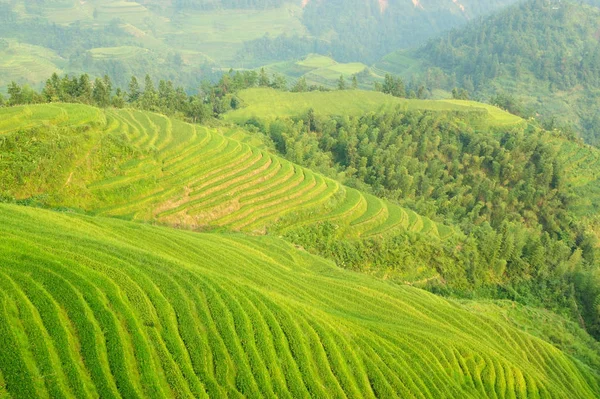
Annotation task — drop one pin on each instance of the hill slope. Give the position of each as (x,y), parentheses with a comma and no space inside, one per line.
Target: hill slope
(145,166)
(100,307)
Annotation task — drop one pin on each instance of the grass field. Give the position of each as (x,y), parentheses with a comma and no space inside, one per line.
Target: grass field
(94,307)
(270,104)
(177,174)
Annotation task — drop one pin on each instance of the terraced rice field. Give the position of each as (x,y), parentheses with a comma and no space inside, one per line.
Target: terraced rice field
(268,104)
(27,63)
(220,33)
(121,52)
(95,307)
(28,116)
(319,70)
(130,11)
(194,177)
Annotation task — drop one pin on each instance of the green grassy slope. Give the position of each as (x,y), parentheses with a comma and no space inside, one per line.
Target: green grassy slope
(94,307)
(145,166)
(269,104)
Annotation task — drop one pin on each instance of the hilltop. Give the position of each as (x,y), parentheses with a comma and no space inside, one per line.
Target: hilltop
(100,307)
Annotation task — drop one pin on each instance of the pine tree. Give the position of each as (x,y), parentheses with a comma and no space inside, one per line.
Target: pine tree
(279,82)
(263,79)
(85,89)
(118,101)
(134,90)
(149,98)
(354,82)
(100,94)
(341,83)
(108,86)
(15,94)
(49,92)
(300,86)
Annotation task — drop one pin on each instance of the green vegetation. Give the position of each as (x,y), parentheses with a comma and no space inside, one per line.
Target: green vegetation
(26,63)
(511,188)
(116,52)
(261,103)
(99,307)
(145,166)
(539,58)
(318,71)
(189,41)
(157,243)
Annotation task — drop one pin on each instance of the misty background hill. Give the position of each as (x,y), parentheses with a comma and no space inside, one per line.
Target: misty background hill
(188,40)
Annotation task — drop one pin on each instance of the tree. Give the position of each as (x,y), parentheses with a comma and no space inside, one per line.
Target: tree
(300,85)
(15,94)
(263,79)
(118,101)
(108,85)
(85,89)
(49,92)
(2,101)
(279,82)
(460,94)
(100,93)
(52,90)
(150,97)
(393,86)
(134,90)
(354,82)
(341,83)
(198,111)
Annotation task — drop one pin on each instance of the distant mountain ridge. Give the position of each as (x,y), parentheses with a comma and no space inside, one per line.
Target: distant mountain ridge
(186,40)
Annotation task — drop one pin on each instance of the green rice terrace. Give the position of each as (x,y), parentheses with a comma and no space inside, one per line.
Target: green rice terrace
(100,307)
(101,297)
(145,166)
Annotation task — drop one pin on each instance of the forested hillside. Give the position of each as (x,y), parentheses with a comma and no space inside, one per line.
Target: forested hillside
(536,58)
